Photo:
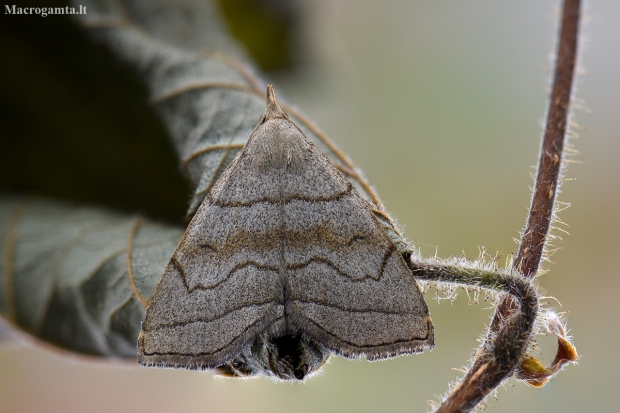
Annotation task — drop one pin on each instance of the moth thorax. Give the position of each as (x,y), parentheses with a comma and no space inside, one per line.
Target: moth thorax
(288,357)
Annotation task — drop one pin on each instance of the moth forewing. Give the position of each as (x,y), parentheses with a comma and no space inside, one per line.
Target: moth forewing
(283,262)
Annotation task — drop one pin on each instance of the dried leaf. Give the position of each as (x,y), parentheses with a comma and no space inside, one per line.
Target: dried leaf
(66,277)
(532,370)
(79,277)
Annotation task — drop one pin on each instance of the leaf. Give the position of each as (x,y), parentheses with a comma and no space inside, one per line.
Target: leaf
(533,372)
(75,122)
(79,277)
(67,277)
(200,83)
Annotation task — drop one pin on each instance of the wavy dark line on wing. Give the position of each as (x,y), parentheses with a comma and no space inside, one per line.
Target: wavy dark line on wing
(209,353)
(239,266)
(148,329)
(281,201)
(387,343)
(204,246)
(386,256)
(175,263)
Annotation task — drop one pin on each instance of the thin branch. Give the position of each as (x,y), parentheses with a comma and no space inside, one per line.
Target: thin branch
(530,252)
(488,370)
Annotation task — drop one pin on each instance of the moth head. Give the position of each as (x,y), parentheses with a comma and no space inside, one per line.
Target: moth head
(287,357)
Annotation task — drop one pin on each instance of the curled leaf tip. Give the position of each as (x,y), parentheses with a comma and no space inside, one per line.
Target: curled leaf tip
(532,371)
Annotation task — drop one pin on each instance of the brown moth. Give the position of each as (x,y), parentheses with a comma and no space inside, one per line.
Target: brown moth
(282,264)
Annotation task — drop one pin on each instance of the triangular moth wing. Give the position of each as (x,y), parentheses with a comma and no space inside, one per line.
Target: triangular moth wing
(347,286)
(222,286)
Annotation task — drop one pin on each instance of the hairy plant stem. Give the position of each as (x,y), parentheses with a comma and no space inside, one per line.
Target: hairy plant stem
(496,361)
(504,346)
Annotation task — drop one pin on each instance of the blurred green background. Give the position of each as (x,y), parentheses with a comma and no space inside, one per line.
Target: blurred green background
(440,103)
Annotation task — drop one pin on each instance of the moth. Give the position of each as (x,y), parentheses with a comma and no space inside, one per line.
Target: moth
(283,264)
